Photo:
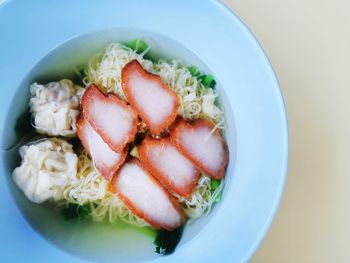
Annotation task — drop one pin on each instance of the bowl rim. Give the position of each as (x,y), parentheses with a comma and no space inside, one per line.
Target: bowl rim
(283,173)
(281,186)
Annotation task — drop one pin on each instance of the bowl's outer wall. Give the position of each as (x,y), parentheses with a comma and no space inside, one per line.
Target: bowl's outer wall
(29,30)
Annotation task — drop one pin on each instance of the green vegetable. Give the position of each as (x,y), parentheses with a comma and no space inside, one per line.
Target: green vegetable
(214,184)
(23,125)
(79,74)
(194,71)
(73,211)
(208,81)
(218,198)
(166,241)
(138,45)
(76,143)
(134,152)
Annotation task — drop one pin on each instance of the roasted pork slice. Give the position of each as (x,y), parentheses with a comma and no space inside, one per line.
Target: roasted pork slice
(146,197)
(110,117)
(165,162)
(206,149)
(106,161)
(153,100)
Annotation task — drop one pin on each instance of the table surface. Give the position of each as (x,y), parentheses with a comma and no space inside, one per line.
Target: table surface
(308,44)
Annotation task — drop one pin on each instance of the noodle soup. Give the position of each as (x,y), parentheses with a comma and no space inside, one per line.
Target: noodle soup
(85,206)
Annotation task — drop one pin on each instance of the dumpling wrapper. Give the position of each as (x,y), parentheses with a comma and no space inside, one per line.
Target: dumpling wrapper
(106,161)
(153,100)
(47,166)
(165,162)
(146,198)
(110,117)
(55,107)
(207,151)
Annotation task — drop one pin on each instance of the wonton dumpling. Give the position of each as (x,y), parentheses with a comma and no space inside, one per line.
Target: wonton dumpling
(55,107)
(46,168)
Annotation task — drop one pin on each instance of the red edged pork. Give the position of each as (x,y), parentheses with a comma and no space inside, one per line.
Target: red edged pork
(106,161)
(146,197)
(153,100)
(165,162)
(203,146)
(110,117)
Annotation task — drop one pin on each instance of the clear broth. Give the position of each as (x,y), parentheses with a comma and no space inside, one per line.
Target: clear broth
(102,242)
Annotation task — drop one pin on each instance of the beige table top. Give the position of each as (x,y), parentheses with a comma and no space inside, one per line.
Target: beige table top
(308,43)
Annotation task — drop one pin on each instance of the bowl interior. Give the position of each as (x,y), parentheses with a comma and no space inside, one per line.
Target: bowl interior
(98,241)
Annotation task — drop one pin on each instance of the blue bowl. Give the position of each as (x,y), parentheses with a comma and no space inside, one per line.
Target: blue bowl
(44,42)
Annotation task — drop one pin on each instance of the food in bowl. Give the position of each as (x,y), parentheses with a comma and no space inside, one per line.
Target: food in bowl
(138,141)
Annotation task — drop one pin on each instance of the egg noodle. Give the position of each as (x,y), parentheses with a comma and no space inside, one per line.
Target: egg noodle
(91,188)
(196,101)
